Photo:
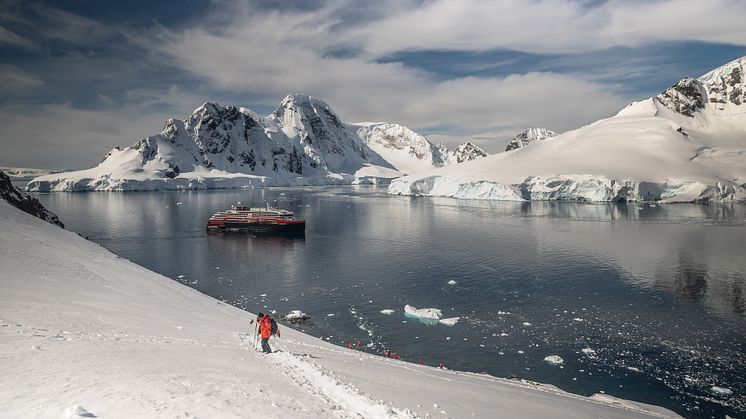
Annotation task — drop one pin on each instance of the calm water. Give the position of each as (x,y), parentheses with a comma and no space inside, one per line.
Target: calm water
(657,292)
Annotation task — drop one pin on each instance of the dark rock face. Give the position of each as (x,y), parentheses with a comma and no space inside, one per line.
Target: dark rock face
(685,97)
(720,87)
(727,85)
(467,152)
(526,136)
(24,202)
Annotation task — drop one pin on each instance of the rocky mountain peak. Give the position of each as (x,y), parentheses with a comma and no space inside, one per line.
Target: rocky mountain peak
(528,135)
(719,87)
(467,151)
(685,97)
(305,106)
(315,124)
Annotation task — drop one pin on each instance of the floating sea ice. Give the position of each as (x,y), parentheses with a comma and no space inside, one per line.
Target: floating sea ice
(425,313)
(721,390)
(387,311)
(578,319)
(296,315)
(451,282)
(450,321)
(633,369)
(588,351)
(554,360)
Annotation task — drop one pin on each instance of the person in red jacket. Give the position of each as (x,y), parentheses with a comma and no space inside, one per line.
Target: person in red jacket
(265,330)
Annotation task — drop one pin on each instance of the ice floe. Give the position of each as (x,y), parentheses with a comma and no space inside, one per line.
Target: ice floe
(554,360)
(721,390)
(450,321)
(296,316)
(425,313)
(588,351)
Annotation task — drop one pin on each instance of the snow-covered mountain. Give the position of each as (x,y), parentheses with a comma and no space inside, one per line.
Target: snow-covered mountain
(303,142)
(685,144)
(24,202)
(528,135)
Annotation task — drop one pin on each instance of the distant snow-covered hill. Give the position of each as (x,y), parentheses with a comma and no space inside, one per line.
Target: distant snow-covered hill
(686,144)
(25,173)
(303,142)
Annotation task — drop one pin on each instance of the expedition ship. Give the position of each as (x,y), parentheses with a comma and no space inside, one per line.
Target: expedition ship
(256,220)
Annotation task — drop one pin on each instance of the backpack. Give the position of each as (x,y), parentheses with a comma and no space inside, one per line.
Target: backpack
(274,329)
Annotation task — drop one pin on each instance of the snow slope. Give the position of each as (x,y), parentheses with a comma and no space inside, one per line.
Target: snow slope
(303,142)
(686,144)
(83,331)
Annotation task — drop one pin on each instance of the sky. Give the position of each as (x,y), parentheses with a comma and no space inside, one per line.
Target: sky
(78,77)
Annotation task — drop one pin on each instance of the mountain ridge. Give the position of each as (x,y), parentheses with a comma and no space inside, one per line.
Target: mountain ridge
(302,142)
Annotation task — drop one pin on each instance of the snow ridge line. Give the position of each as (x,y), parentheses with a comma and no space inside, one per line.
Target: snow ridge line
(344,400)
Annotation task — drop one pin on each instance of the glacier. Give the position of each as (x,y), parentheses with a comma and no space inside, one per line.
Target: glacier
(687,144)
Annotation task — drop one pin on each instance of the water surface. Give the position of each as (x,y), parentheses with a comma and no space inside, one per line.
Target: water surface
(658,293)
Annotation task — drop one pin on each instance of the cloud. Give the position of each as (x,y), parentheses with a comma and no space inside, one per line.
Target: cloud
(38,21)
(246,54)
(271,53)
(552,26)
(13,78)
(61,135)
(11,38)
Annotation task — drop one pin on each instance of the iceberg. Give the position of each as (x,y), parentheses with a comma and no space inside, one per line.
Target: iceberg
(554,360)
(296,316)
(425,313)
(721,390)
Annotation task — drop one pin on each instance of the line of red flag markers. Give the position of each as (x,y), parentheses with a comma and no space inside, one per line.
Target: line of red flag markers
(394,355)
